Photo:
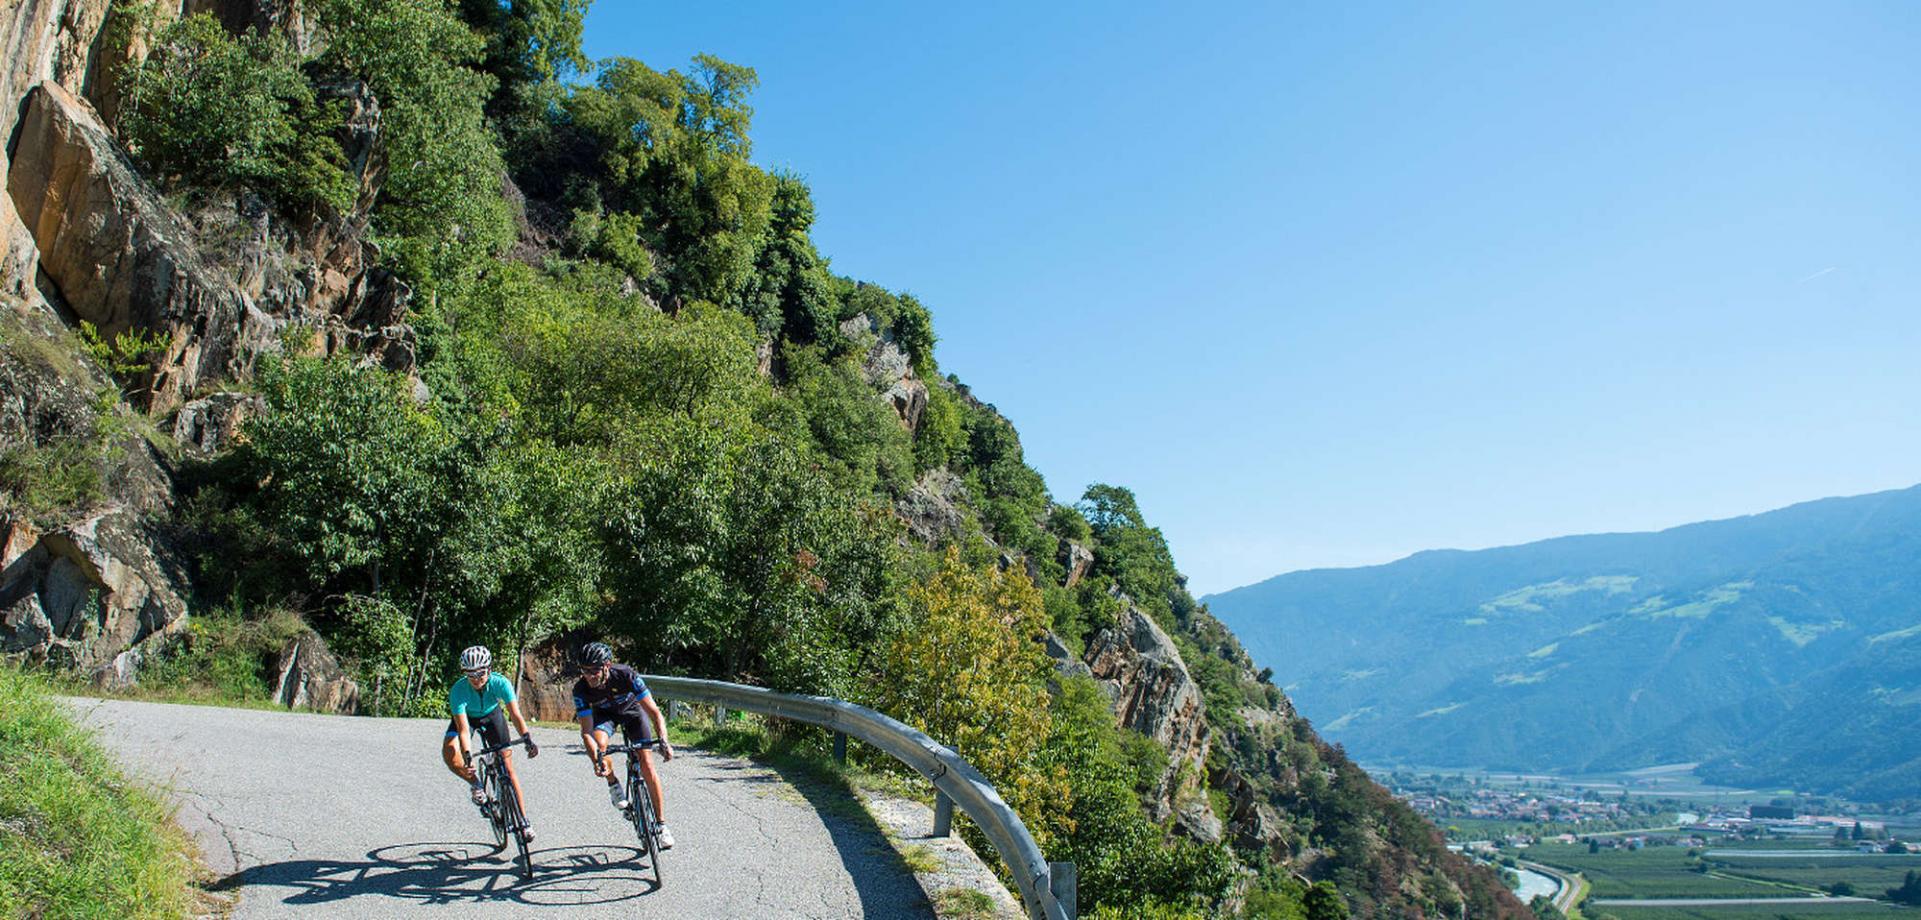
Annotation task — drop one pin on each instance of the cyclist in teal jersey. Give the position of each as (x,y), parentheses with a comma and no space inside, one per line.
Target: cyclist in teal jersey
(477,702)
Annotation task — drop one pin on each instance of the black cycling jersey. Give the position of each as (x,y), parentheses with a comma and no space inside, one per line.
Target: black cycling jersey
(619,695)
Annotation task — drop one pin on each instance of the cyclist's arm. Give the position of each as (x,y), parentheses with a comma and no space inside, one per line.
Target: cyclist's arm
(660,724)
(460,738)
(520,722)
(513,713)
(587,739)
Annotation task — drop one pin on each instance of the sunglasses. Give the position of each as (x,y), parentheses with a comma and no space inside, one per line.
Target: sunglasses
(593,669)
(479,672)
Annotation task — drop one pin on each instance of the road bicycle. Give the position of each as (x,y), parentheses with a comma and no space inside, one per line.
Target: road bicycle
(502,808)
(640,801)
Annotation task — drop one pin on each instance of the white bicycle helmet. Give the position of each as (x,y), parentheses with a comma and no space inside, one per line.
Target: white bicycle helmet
(476,658)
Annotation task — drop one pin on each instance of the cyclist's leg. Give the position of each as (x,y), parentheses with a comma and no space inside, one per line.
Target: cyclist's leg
(450,755)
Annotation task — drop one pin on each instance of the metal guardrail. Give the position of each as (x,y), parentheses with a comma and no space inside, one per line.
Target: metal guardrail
(1047,888)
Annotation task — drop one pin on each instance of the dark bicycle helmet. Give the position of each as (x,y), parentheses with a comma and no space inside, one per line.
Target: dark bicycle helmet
(596,653)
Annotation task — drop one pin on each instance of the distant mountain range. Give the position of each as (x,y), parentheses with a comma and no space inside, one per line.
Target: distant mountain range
(1779,649)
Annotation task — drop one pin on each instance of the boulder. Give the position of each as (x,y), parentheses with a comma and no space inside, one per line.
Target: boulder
(309,677)
(546,679)
(83,594)
(1196,820)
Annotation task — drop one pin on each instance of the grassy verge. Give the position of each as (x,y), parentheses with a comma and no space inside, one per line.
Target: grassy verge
(77,839)
(798,752)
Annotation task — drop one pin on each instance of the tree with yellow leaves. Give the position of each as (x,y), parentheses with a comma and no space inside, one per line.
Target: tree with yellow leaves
(969,672)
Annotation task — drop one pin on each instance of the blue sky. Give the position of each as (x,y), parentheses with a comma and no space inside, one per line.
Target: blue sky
(1326,285)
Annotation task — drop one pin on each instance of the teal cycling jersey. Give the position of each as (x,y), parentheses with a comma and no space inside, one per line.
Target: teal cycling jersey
(463,700)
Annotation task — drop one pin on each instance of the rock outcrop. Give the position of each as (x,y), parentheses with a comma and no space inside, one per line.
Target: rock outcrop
(85,594)
(932,508)
(309,677)
(888,369)
(84,236)
(545,682)
(118,256)
(1153,693)
(205,426)
(1078,560)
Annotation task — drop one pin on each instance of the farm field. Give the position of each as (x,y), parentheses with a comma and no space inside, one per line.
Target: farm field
(1869,874)
(1814,910)
(1656,872)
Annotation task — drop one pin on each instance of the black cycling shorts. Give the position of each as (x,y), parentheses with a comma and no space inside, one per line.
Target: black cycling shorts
(491,727)
(635,725)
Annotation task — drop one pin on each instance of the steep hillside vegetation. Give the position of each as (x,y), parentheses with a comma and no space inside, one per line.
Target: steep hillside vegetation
(1777,647)
(398,318)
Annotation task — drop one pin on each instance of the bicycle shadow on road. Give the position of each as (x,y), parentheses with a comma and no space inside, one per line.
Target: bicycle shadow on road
(454,873)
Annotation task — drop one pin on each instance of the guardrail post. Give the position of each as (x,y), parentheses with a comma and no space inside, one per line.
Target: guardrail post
(840,748)
(1065,881)
(720,717)
(943,814)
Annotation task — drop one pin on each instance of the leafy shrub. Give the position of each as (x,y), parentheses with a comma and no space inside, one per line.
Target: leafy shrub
(210,108)
(48,480)
(859,435)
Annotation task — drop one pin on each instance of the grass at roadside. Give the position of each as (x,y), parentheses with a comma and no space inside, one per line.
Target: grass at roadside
(77,839)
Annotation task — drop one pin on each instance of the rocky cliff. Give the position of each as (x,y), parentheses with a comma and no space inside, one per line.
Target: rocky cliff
(85,238)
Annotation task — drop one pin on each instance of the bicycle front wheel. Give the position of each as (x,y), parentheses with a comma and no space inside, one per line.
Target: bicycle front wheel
(644,824)
(496,820)
(515,821)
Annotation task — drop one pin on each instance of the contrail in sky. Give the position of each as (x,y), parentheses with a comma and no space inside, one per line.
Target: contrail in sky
(1815,275)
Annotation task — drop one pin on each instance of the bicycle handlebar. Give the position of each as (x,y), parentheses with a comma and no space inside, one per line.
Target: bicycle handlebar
(524,739)
(633,747)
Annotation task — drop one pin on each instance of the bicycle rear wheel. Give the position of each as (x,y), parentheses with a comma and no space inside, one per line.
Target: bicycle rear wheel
(644,823)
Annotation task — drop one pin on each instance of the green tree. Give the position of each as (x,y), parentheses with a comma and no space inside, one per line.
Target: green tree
(673,148)
(791,292)
(528,41)
(1324,902)
(1132,553)
(440,207)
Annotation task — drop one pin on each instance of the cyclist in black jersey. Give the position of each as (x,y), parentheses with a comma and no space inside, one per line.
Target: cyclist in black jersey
(610,695)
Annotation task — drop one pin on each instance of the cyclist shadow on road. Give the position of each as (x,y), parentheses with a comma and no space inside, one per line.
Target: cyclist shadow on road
(454,873)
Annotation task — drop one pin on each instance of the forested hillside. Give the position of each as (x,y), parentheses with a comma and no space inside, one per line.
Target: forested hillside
(1778,648)
(400,321)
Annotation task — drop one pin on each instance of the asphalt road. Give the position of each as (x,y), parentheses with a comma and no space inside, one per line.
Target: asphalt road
(305,815)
